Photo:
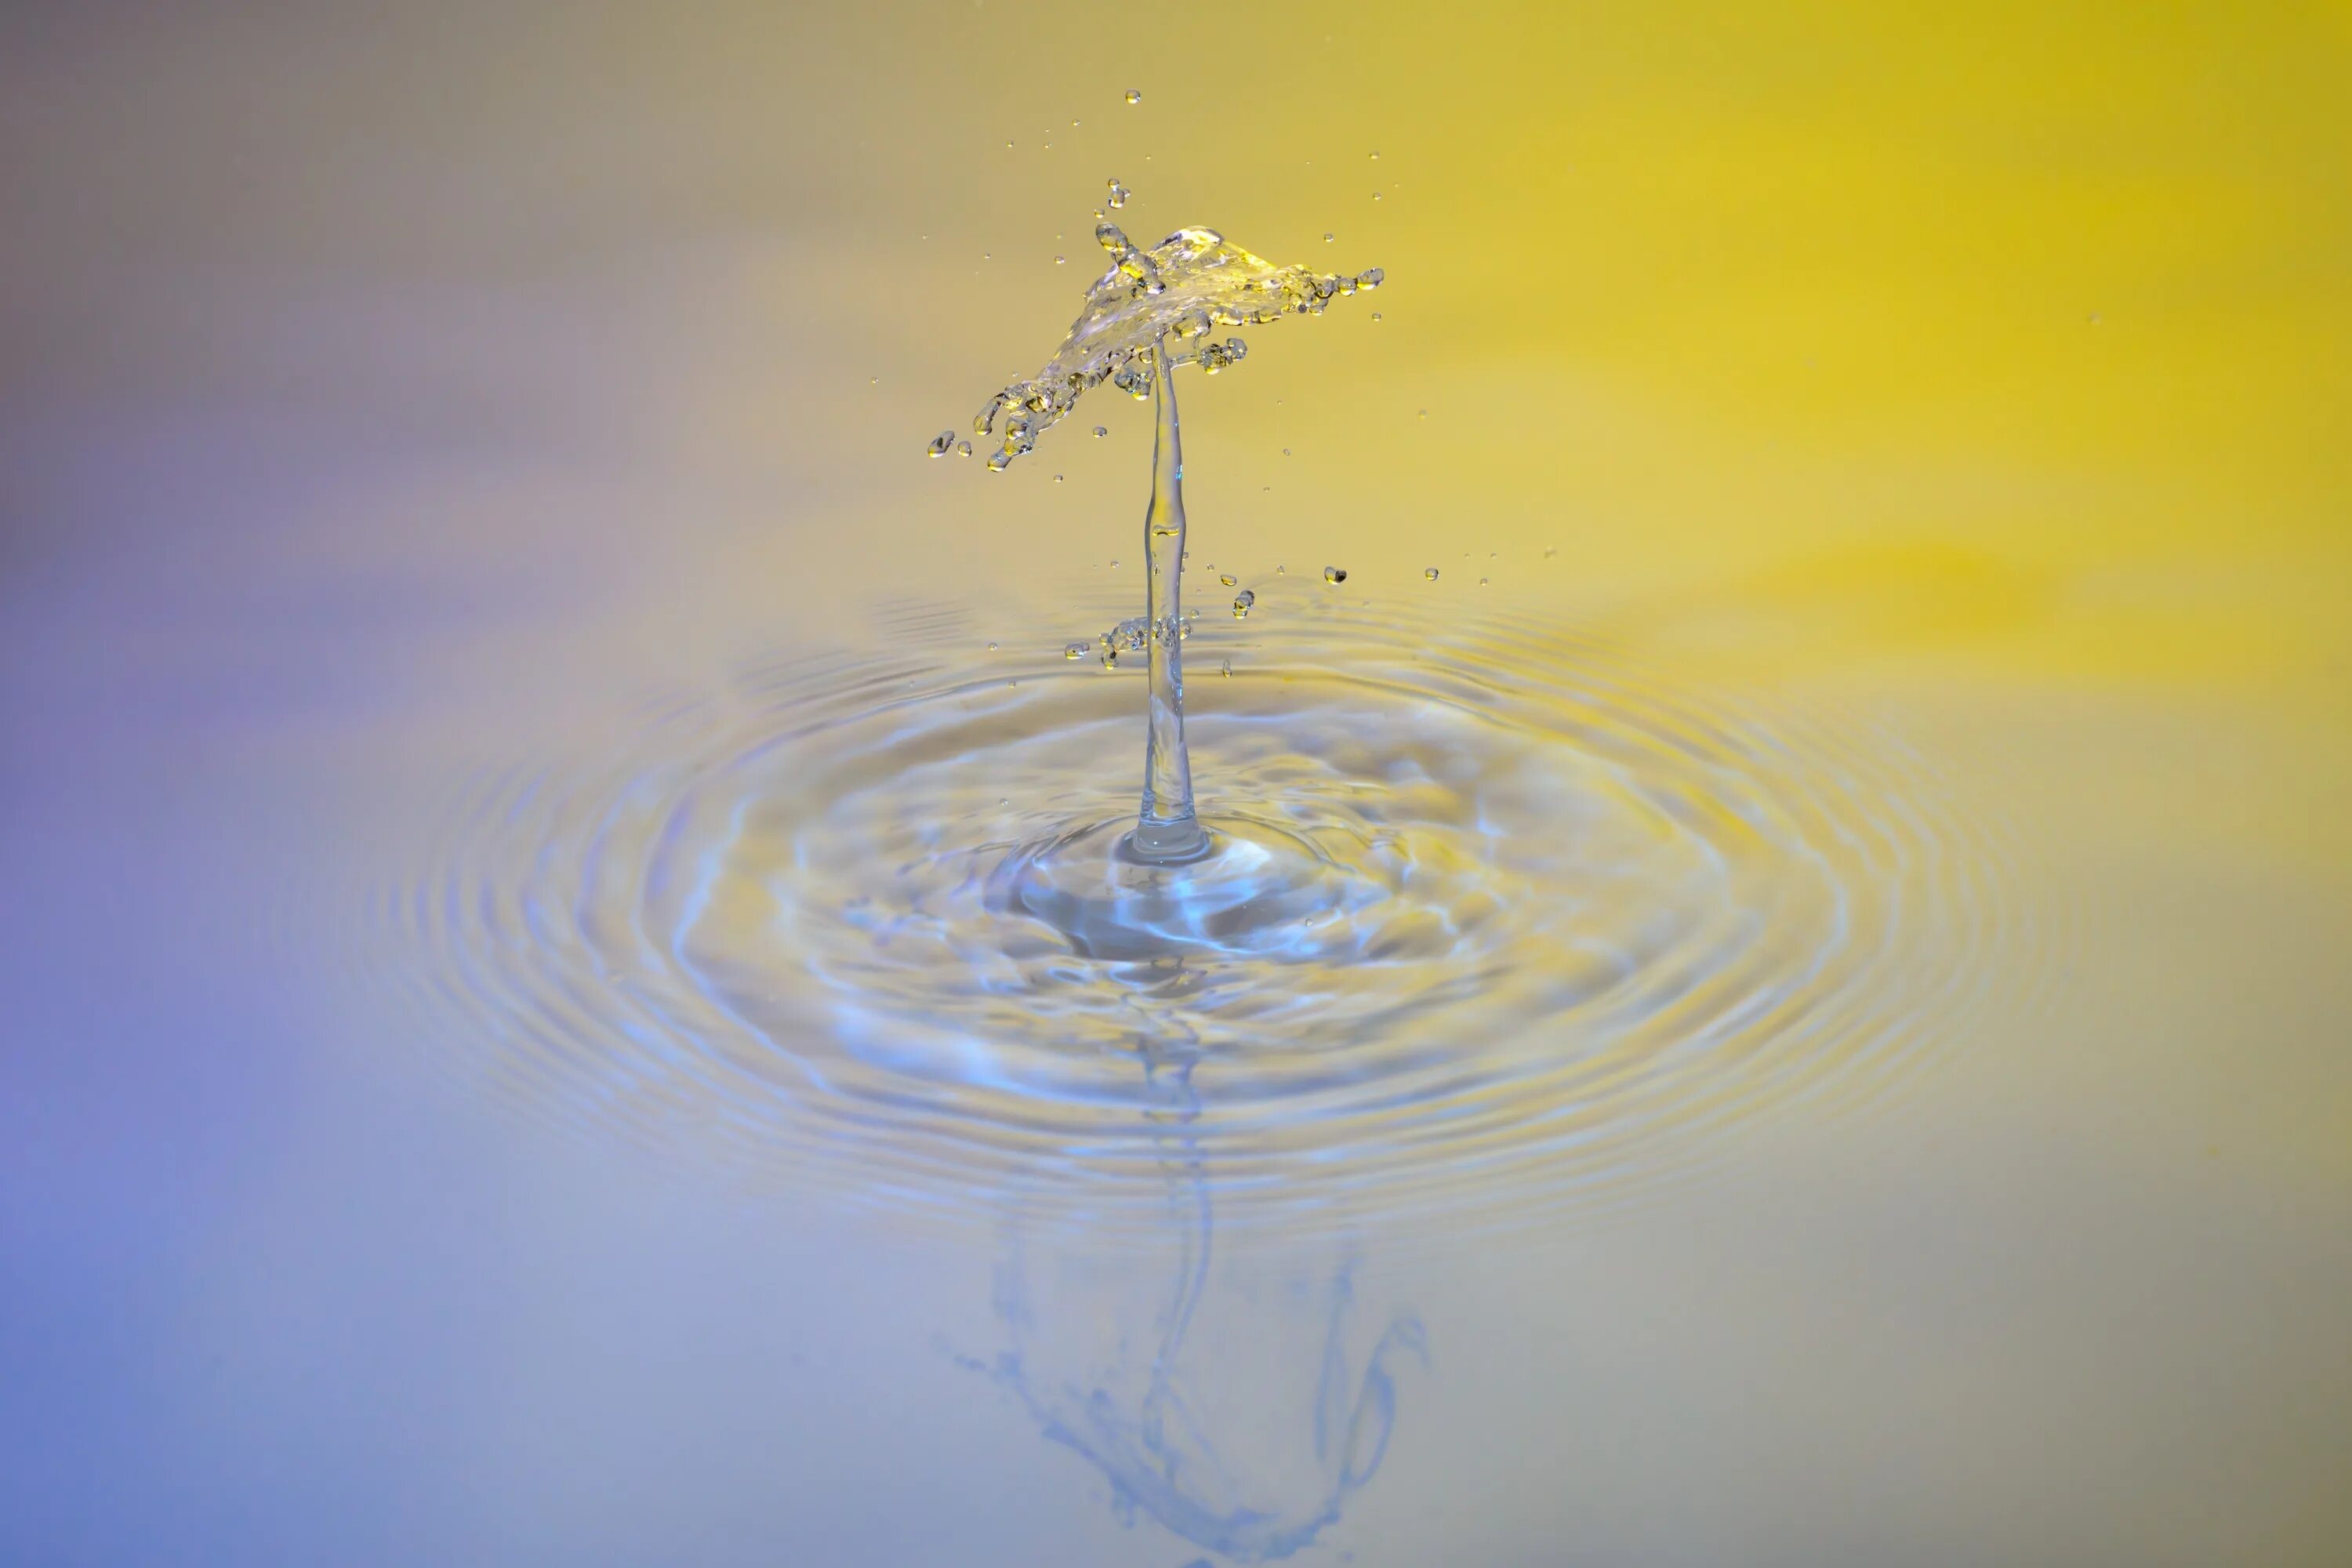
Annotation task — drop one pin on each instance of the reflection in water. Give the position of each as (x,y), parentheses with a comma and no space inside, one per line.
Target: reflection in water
(1226,1445)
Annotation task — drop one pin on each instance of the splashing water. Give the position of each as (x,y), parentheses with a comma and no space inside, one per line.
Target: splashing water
(1484,917)
(1188,284)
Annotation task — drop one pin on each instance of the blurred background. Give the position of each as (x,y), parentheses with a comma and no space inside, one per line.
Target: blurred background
(388,393)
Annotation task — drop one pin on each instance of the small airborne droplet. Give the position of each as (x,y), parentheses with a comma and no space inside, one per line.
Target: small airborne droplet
(1058,479)
(942,444)
(1551,551)
(1061,260)
(1227,579)
(1075,649)
(1482,581)
(1328,237)
(1133,95)
(1335,574)
(1425,413)
(1224,667)
(963,448)
(1101,430)
(1118,193)
(1376,196)
(1376,315)
(1376,157)
(1242,602)
(991,647)
(1431,573)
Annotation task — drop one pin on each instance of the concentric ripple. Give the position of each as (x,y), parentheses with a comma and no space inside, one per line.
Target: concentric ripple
(1494,923)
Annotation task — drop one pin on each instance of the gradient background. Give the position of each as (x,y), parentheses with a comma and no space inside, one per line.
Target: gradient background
(387,391)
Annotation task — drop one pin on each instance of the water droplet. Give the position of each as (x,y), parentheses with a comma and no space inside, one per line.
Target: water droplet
(1061,260)
(963,448)
(1100,431)
(1242,602)
(1376,157)
(1335,574)
(1058,479)
(1425,413)
(942,444)
(991,647)
(1227,579)
(1376,315)
(1482,581)
(1118,193)
(1431,573)
(1376,196)
(1372,277)
(1133,95)
(1328,237)
(1285,451)
(1283,570)
(1075,649)
(1114,565)
(1551,551)
(1224,667)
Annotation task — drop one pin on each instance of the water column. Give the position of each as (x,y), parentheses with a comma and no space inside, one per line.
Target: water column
(1166,833)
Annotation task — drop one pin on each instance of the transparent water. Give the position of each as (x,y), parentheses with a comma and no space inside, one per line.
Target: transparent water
(569,997)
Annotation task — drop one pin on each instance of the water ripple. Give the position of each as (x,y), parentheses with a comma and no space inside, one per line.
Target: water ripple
(1498,922)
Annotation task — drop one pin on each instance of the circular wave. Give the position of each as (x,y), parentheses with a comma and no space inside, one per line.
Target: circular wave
(1495,924)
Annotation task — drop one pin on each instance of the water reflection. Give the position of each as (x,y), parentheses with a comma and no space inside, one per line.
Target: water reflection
(1235,1402)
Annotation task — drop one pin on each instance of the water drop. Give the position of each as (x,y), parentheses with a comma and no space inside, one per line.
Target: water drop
(1242,602)
(1482,581)
(1372,277)
(1224,667)
(1227,579)
(1281,570)
(1061,260)
(942,444)
(991,647)
(1058,479)
(1285,452)
(963,448)
(1118,193)
(1075,649)
(1101,430)
(1133,95)
(1376,196)
(1335,574)
(1431,573)
(1376,157)
(1551,551)
(1376,315)
(1114,565)
(1425,413)
(1328,237)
